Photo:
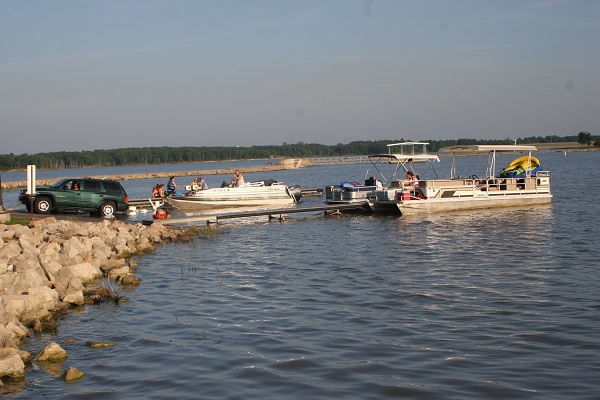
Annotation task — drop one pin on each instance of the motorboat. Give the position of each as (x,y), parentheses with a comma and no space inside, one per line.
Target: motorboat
(522,182)
(351,192)
(249,194)
(402,156)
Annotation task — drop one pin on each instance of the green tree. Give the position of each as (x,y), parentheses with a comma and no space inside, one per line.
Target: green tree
(584,138)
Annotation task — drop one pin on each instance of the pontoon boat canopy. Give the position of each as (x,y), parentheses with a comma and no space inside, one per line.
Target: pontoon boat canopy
(406,157)
(488,148)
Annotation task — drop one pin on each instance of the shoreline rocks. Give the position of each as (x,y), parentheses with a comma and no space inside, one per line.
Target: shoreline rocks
(44,268)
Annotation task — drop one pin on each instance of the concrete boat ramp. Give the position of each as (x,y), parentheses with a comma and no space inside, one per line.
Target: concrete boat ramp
(272,214)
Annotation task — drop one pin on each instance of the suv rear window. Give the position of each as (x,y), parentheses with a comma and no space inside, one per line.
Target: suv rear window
(112,187)
(91,186)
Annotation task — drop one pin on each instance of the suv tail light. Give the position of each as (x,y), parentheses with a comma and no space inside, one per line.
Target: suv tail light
(126,199)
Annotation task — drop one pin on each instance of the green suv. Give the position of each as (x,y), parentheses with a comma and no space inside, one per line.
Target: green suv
(101,196)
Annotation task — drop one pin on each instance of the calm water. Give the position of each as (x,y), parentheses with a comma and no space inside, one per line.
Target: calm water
(488,304)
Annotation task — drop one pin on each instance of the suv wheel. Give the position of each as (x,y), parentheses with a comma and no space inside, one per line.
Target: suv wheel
(108,209)
(42,205)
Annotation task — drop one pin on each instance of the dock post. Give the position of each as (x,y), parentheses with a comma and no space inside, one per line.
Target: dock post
(4,216)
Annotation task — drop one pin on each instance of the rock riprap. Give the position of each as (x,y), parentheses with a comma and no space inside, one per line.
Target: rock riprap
(44,268)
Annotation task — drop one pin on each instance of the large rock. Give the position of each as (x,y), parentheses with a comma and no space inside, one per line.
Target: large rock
(44,223)
(84,271)
(12,365)
(18,330)
(10,250)
(74,297)
(7,234)
(72,374)
(72,251)
(128,280)
(115,272)
(37,303)
(52,352)
(17,283)
(7,337)
(21,230)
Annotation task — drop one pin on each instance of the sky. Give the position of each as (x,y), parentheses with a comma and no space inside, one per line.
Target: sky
(80,75)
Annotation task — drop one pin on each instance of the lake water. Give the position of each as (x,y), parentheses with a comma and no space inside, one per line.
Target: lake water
(499,304)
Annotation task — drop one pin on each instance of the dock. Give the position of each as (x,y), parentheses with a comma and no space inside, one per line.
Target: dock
(339,160)
(278,213)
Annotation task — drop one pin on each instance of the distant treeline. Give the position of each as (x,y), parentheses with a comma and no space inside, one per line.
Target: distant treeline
(168,155)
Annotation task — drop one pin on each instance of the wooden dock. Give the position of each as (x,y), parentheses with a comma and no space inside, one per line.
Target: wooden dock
(272,214)
(145,203)
(339,160)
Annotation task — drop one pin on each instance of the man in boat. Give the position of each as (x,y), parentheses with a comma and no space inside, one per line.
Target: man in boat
(239,178)
(201,184)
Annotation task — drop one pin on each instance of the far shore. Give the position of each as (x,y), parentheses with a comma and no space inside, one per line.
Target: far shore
(283,165)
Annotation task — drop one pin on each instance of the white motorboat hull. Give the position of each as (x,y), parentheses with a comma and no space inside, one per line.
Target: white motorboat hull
(244,196)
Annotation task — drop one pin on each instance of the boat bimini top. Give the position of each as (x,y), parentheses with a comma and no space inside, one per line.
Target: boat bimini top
(490,149)
(409,153)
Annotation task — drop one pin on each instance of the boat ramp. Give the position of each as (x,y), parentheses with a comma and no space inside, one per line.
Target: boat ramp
(278,213)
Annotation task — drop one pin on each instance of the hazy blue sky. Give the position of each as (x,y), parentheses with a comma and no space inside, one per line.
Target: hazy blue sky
(86,75)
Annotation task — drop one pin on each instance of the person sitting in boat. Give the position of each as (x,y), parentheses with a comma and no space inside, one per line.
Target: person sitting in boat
(172,186)
(239,178)
(233,183)
(201,184)
(194,184)
(156,191)
(411,177)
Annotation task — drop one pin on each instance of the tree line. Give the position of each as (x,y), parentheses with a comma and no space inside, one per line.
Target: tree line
(170,155)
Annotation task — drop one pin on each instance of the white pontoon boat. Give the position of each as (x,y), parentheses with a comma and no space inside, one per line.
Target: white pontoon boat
(522,182)
(401,155)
